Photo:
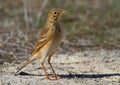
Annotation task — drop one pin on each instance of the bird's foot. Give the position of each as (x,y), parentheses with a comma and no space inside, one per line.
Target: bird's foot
(56,77)
(47,77)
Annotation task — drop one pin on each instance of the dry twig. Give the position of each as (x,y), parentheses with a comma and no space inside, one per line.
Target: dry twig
(41,10)
(26,13)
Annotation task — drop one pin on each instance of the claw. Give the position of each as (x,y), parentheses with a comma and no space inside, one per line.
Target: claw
(56,77)
(48,78)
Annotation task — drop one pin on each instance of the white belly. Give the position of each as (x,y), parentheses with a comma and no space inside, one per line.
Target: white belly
(49,48)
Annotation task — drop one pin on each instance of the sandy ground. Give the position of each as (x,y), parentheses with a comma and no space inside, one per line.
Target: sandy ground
(90,67)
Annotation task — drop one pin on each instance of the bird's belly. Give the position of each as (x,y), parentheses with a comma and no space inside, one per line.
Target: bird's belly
(50,47)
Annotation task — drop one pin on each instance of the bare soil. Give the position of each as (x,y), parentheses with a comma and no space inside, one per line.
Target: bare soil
(79,61)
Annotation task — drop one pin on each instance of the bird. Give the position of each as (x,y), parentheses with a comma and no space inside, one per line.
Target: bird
(48,41)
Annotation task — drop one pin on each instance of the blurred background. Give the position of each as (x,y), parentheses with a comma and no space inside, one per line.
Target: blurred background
(88,24)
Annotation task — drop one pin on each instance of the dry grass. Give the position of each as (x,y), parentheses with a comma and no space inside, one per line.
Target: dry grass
(88,25)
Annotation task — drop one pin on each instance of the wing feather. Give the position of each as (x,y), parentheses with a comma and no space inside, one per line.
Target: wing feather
(44,37)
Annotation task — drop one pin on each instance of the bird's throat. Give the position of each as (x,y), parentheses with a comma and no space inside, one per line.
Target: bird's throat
(51,23)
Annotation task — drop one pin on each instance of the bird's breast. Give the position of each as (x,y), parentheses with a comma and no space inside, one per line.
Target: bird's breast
(51,46)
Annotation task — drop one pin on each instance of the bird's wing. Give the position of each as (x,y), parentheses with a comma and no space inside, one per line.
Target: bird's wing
(44,37)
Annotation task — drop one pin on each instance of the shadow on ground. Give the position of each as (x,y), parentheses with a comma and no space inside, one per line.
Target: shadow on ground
(89,75)
(76,75)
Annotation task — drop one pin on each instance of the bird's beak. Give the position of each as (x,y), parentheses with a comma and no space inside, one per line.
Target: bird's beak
(62,12)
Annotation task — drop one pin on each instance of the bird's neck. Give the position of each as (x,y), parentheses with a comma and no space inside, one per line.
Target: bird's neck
(51,23)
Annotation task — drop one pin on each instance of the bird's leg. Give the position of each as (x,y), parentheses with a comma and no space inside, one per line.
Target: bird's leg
(44,69)
(54,74)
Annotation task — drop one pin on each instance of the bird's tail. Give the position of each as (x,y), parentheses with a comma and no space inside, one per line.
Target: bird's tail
(24,64)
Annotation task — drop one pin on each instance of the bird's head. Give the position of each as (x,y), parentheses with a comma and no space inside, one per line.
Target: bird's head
(55,14)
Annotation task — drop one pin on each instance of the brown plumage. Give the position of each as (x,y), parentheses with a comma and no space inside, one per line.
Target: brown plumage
(48,41)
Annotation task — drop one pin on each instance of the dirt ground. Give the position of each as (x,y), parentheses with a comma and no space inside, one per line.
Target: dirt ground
(79,61)
(90,67)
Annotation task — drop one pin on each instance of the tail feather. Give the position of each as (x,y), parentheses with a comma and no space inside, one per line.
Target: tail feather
(24,64)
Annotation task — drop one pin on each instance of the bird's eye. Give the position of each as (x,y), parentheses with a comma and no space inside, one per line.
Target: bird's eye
(55,12)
